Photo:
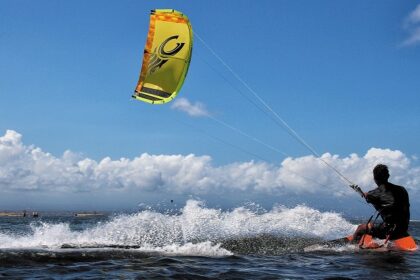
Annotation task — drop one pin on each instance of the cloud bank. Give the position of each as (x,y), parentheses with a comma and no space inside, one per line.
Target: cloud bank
(412,24)
(28,168)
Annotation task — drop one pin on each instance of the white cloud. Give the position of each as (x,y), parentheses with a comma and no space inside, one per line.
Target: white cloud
(413,39)
(414,16)
(25,167)
(195,110)
(412,24)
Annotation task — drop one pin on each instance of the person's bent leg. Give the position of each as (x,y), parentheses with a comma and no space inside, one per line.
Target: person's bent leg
(361,229)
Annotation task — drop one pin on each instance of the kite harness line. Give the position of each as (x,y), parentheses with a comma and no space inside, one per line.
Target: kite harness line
(368,234)
(278,119)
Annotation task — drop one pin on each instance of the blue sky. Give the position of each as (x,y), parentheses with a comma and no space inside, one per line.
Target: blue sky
(344,75)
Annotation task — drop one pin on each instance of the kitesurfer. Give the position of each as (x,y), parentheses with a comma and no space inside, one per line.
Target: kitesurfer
(392,203)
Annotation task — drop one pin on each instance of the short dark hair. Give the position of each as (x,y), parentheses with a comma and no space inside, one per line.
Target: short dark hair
(381,173)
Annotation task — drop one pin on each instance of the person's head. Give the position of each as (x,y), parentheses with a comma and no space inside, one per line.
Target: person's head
(380,174)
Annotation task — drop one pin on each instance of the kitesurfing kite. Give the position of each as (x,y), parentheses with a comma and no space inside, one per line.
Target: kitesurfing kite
(166,58)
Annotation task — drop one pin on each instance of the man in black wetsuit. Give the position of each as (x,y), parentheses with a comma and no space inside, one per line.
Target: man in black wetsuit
(392,203)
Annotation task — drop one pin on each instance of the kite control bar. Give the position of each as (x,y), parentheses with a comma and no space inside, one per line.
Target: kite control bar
(358,190)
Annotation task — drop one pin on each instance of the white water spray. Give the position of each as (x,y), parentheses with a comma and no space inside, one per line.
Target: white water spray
(197,230)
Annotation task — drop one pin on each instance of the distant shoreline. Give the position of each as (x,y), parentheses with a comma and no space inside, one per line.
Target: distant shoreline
(22,214)
(88,214)
(36,214)
(12,214)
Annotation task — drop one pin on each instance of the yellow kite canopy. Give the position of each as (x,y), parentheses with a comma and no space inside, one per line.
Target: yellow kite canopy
(167,55)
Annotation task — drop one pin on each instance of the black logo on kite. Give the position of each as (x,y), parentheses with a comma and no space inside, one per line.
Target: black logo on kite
(161,55)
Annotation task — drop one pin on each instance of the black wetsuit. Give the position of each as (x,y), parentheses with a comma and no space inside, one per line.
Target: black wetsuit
(392,203)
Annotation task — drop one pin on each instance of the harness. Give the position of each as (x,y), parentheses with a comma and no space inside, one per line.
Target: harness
(368,232)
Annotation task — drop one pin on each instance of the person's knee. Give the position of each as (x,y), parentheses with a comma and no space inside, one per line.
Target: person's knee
(361,228)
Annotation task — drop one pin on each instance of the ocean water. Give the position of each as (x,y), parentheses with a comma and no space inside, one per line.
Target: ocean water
(195,242)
